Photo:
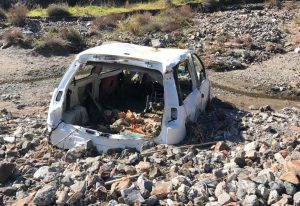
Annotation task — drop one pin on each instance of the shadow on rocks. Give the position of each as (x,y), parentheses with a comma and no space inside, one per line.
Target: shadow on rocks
(222,121)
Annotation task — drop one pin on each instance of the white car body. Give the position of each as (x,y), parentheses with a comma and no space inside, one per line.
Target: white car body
(163,60)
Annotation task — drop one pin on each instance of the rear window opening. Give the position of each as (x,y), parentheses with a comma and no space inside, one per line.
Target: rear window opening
(116,99)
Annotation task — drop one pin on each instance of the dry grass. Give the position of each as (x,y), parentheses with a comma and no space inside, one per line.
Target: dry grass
(51,44)
(73,38)
(111,20)
(61,40)
(136,24)
(246,41)
(13,36)
(167,20)
(2,14)
(273,3)
(18,14)
(58,10)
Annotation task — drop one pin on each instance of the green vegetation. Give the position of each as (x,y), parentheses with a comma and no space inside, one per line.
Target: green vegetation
(58,10)
(105,10)
(18,14)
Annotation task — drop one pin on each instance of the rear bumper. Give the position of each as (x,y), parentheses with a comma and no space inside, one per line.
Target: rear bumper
(67,136)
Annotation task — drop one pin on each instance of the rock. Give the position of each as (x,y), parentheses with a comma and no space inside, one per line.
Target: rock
(76,199)
(27,145)
(6,171)
(182,190)
(273,197)
(151,201)
(67,181)
(8,191)
(131,195)
(24,201)
(279,158)
(283,201)
(162,189)
(253,107)
(41,172)
(224,198)
(220,146)
(147,145)
(62,198)
(133,159)
(120,185)
(289,188)
(245,187)
(46,173)
(177,181)
(45,195)
(79,186)
(9,139)
(112,203)
(290,177)
(240,161)
(251,200)
(293,166)
(220,188)
(263,191)
(252,154)
(74,154)
(251,146)
(277,185)
(296,199)
(142,167)
(144,185)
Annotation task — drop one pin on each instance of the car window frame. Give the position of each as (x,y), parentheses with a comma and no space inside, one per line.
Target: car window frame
(194,55)
(193,75)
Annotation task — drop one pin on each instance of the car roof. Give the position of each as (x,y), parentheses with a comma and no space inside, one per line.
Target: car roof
(168,57)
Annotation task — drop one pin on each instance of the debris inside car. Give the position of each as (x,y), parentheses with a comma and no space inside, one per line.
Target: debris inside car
(120,95)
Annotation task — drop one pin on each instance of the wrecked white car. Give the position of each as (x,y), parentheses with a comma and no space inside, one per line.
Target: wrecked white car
(120,95)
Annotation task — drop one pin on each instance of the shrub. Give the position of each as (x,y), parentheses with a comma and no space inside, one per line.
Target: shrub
(2,14)
(273,3)
(13,36)
(58,10)
(18,14)
(51,44)
(110,20)
(174,18)
(167,20)
(136,24)
(246,41)
(74,40)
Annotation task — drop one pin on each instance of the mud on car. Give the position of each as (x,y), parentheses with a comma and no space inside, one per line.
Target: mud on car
(120,95)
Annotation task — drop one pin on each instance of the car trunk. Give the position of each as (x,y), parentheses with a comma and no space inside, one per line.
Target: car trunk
(116,99)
